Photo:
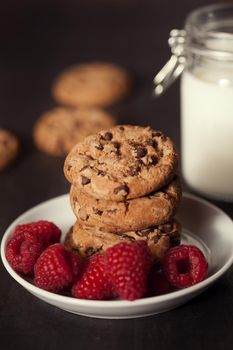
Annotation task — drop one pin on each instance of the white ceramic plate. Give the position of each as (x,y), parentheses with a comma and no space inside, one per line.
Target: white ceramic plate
(203,225)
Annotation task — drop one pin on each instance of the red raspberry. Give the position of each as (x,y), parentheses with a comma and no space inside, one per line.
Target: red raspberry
(94,283)
(22,252)
(47,231)
(158,283)
(185,266)
(57,268)
(128,266)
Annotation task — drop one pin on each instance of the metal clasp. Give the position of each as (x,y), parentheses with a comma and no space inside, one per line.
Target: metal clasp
(175,66)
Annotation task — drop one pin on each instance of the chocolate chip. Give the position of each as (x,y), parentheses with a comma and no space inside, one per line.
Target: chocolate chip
(141,152)
(166,228)
(134,144)
(97,211)
(154,160)
(138,164)
(126,206)
(133,171)
(89,251)
(144,233)
(85,180)
(123,188)
(116,144)
(138,233)
(75,250)
(125,236)
(156,133)
(101,172)
(111,211)
(99,147)
(107,136)
(151,143)
(155,239)
(122,128)
(90,157)
(69,167)
(85,167)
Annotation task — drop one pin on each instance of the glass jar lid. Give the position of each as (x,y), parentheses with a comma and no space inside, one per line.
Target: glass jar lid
(208,32)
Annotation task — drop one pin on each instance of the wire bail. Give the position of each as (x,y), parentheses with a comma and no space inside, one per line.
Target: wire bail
(175,66)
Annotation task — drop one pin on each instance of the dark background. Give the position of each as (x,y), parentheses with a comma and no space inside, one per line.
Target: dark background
(37,40)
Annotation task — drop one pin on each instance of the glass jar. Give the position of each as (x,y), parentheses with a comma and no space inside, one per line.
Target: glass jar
(203,53)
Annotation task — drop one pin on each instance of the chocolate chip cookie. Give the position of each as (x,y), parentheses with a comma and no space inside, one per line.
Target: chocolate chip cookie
(91,84)
(88,241)
(60,128)
(121,163)
(130,215)
(9,148)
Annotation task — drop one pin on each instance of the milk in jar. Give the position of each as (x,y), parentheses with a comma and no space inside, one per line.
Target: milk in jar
(207,131)
(202,53)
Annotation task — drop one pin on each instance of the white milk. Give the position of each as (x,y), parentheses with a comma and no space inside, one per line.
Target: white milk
(207,132)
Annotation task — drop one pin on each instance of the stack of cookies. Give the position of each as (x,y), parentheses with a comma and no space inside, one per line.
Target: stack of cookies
(123,188)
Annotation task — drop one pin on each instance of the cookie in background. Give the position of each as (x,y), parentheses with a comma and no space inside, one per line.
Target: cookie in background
(96,84)
(9,148)
(59,129)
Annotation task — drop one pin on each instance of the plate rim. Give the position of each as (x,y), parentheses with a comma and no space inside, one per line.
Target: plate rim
(113,304)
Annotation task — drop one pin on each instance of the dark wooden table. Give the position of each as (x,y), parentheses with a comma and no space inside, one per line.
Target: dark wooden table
(38,39)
